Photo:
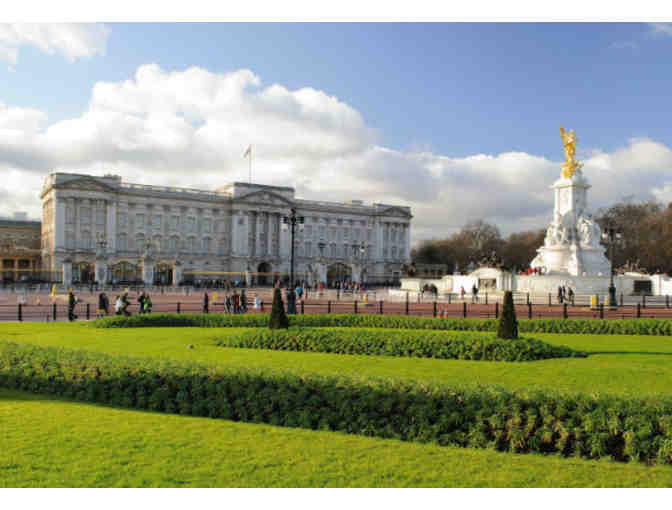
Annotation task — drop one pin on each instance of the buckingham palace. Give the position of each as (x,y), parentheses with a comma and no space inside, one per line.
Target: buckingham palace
(103,229)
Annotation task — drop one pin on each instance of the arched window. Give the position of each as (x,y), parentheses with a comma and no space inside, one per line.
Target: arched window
(207,244)
(221,246)
(121,242)
(174,244)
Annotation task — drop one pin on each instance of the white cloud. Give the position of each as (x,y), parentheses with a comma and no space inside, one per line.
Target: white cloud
(191,128)
(71,40)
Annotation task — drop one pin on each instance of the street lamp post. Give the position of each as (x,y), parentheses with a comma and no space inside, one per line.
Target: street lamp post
(611,235)
(291,223)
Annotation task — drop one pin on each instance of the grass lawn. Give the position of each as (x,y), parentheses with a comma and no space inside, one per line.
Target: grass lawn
(48,442)
(637,365)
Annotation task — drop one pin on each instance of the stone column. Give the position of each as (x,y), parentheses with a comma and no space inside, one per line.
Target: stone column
(111,228)
(67,273)
(101,271)
(148,270)
(178,273)
(59,221)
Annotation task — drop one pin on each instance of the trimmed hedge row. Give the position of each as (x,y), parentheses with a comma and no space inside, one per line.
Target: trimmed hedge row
(586,426)
(578,326)
(410,343)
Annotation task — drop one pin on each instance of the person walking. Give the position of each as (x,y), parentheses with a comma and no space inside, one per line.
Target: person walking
(141,302)
(474,293)
(118,305)
(257,302)
(72,301)
(227,304)
(206,303)
(462,293)
(560,295)
(243,301)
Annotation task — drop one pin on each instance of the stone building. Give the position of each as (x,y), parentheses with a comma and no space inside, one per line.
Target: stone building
(19,249)
(104,229)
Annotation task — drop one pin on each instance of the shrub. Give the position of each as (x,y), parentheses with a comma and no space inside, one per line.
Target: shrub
(508,324)
(621,428)
(410,343)
(661,327)
(278,319)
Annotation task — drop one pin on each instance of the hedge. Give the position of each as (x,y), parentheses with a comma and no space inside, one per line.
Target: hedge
(605,426)
(409,343)
(661,327)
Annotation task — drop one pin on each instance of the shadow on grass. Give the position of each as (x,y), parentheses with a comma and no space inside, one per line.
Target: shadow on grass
(651,353)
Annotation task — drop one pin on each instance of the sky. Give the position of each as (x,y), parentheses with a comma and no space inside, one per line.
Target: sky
(460,121)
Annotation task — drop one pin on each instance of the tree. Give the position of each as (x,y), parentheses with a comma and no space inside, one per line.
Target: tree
(508,324)
(278,319)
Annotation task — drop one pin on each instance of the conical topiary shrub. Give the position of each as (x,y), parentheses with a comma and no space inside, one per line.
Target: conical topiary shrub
(278,318)
(508,324)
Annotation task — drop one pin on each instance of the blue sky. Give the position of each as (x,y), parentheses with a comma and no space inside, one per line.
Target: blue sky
(456,88)
(432,113)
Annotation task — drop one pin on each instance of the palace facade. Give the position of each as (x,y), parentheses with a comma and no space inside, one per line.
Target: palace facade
(20,249)
(107,230)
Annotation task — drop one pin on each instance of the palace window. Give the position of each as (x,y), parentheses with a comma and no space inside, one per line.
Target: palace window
(207,225)
(157,222)
(121,242)
(174,222)
(69,214)
(191,224)
(100,217)
(85,215)
(140,243)
(309,249)
(174,243)
(193,245)
(207,244)
(139,221)
(85,242)
(333,250)
(221,246)
(70,240)
(123,220)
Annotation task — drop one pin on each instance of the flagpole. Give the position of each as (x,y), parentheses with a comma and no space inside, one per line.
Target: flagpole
(250,165)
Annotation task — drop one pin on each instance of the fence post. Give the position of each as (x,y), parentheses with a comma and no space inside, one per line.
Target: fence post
(643,300)
(549,299)
(529,309)
(88,312)
(19,312)
(486,297)
(355,304)
(621,299)
(528,299)
(54,312)
(496,310)
(380,307)
(464,309)
(449,294)
(667,300)
(434,309)
(302,307)
(639,310)
(328,306)
(601,310)
(564,311)
(178,307)
(407,303)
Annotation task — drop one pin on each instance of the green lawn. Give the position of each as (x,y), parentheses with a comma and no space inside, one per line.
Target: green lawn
(622,364)
(47,442)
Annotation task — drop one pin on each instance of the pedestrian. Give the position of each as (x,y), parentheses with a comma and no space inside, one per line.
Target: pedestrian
(206,302)
(141,302)
(147,304)
(124,304)
(257,302)
(560,295)
(474,293)
(462,292)
(235,302)
(227,304)
(243,301)
(101,305)
(118,304)
(72,301)
(570,294)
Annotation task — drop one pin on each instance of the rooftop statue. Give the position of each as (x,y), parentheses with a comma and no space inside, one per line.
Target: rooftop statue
(569,144)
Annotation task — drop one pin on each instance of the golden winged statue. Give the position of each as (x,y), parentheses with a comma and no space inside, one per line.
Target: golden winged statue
(569,144)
